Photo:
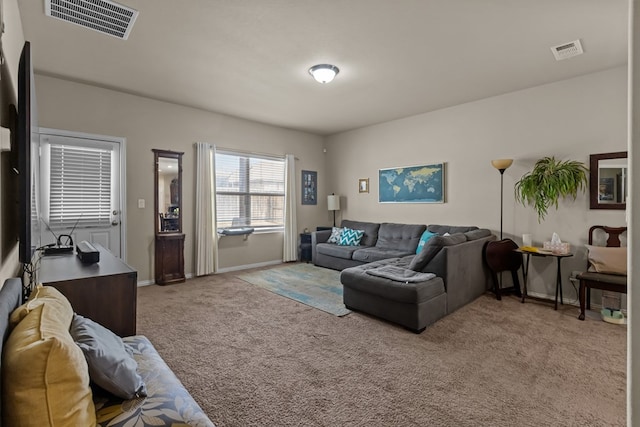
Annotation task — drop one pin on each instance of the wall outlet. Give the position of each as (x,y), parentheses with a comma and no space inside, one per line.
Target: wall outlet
(141,203)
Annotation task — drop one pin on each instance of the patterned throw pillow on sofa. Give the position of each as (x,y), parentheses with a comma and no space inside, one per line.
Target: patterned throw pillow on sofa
(335,235)
(350,237)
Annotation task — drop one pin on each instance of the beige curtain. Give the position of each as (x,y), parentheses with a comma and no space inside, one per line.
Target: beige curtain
(290,222)
(206,237)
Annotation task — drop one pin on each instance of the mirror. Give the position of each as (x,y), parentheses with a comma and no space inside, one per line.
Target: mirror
(168,191)
(608,183)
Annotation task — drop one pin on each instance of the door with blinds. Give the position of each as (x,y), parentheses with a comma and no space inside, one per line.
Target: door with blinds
(80,191)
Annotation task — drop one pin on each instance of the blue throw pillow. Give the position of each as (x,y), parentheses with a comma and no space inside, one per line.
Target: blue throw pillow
(424,239)
(350,237)
(110,364)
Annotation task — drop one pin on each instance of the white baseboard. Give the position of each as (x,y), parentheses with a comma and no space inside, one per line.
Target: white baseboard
(552,298)
(248,266)
(594,306)
(142,283)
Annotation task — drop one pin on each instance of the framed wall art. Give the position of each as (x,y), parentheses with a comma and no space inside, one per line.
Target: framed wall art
(412,184)
(363,185)
(309,187)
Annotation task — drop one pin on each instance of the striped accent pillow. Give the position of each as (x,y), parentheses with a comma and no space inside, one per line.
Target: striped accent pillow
(350,237)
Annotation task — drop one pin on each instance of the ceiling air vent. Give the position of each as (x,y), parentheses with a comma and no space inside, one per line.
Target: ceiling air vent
(104,16)
(567,50)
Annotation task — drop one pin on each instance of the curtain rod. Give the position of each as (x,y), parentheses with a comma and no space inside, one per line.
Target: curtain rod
(255,153)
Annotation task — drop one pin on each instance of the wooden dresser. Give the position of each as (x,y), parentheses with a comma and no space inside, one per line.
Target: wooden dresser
(105,292)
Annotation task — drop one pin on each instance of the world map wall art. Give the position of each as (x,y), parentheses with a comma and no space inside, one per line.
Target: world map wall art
(412,184)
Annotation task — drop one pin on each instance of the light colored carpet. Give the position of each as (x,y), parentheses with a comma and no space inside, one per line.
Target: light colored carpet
(252,358)
(314,286)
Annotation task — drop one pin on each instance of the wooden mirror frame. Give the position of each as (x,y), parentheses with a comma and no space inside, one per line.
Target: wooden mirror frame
(594,181)
(170,155)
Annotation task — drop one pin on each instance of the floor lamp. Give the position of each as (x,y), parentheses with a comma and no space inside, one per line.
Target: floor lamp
(499,255)
(333,203)
(502,165)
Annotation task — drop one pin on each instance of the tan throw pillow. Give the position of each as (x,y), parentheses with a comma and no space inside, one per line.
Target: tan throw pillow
(58,304)
(45,378)
(609,260)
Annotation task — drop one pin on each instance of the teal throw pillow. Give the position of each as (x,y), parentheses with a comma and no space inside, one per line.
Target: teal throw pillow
(424,239)
(350,237)
(335,235)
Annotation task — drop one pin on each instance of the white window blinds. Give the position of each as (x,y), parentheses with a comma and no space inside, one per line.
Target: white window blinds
(80,186)
(249,190)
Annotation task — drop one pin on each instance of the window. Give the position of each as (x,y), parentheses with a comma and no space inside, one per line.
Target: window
(249,191)
(79,187)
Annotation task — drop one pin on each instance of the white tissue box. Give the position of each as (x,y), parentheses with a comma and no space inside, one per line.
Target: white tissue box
(557,248)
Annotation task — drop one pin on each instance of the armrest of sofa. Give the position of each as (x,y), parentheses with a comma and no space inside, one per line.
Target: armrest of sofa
(463,270)
(318,237)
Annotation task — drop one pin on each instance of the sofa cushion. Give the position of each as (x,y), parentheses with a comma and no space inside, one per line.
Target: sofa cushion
(110,366)
(337,251)
(404,237)
(431,249)
(477,234)
(424,239)
(45,375)
(350,237)
(451,229)
(370,230)
(371,254)
(358,279)
(168,402)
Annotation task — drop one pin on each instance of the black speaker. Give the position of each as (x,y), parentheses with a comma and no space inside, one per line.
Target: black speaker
(87,253)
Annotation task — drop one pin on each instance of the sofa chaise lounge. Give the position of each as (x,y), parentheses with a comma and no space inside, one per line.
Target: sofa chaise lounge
(413,290)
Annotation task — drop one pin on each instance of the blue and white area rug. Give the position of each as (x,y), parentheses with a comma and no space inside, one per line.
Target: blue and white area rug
(314,286)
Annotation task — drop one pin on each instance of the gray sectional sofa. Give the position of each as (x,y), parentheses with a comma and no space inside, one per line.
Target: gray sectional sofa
(380,241)
(408,289)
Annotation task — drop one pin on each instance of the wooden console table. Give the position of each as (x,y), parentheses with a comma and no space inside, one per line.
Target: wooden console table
(105,292)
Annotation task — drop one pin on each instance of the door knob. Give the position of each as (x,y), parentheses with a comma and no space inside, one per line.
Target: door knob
(114,222)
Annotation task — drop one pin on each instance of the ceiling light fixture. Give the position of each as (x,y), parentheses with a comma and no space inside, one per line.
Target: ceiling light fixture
(324,73)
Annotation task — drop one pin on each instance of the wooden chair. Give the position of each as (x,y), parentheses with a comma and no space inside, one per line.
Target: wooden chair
(500,256)
(593,280)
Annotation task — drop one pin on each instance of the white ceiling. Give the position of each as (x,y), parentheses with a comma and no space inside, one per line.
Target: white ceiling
(397,58)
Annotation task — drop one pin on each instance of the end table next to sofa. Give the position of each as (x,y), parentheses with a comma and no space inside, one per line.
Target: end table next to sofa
(525,271)
(305,247)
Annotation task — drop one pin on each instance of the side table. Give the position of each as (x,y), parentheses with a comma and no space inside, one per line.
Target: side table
(305,247)
(525,271)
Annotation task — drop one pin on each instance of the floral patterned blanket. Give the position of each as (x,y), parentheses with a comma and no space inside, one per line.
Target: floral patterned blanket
(168,403)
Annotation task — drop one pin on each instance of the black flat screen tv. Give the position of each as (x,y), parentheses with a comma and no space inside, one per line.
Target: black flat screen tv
(27,145)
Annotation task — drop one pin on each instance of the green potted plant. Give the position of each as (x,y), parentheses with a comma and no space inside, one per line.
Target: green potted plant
(549,181)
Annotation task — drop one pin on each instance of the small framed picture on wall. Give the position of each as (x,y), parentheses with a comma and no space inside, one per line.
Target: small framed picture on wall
(309,187)
(363,185)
